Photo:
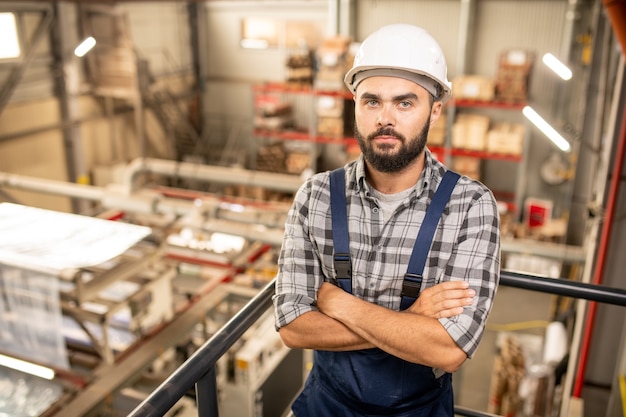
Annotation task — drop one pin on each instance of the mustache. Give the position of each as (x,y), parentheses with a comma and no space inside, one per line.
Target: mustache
(386,131)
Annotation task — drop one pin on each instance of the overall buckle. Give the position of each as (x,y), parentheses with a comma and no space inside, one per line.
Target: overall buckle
(411,285)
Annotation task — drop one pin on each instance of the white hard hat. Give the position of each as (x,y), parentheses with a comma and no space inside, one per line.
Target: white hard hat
(404,51)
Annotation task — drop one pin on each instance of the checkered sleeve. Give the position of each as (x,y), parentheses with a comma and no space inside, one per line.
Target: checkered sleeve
(476,259)
(299,272)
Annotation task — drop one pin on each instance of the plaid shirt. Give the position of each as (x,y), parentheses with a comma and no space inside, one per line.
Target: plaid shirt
(466,246)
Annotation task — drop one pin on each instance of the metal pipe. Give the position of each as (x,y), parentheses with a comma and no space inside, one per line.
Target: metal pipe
(466,412)
(203,360)
(206,394)
(260,227)
(603,248)
(616,12)
(47,186)
(215,174)
(567,288)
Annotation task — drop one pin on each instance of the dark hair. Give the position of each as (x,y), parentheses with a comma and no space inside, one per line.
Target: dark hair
(440,91)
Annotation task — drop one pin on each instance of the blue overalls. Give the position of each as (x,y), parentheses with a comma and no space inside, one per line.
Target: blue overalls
(371,382)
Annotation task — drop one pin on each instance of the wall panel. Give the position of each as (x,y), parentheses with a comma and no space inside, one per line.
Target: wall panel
(161,34)
(439,17)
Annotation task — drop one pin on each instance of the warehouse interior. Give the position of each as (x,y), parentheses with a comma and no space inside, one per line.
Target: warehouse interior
(150,150)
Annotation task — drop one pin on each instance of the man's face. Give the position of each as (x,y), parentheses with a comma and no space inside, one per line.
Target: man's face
(393,116)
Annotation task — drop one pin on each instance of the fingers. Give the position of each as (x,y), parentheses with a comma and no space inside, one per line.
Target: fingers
(444,300)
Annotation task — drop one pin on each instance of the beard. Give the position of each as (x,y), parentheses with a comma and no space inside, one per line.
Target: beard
(382,158)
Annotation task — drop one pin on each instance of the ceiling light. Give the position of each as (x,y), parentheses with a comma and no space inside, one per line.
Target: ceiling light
(27,367)
(557,66)
(547,130)
(84,47)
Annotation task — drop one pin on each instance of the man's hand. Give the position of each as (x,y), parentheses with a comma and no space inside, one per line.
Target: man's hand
(414,335)
(443,300)
(328,298)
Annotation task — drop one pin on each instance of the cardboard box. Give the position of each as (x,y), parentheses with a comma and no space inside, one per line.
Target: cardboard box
(506,138)
(469,131)
(437,133)
(473,87)
(333,61)
(467,165)
(329,106)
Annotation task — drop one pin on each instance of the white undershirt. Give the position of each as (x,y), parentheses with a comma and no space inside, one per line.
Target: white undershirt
(389,202)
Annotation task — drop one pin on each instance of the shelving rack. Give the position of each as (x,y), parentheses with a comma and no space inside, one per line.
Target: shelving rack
(513,199)
(307,133)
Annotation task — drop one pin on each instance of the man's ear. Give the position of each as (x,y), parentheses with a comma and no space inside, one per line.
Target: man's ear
(435,112)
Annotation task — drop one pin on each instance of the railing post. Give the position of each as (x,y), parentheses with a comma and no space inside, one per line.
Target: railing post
(206,394)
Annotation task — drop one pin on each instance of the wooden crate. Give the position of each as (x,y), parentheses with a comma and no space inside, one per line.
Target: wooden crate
(296,162)
(330,126)
(513,78)
(271,158)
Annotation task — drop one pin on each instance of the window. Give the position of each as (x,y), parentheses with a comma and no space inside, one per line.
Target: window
(259,33)
(10,45)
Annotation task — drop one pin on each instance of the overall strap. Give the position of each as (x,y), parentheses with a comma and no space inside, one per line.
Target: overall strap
(413,278)
(341,238)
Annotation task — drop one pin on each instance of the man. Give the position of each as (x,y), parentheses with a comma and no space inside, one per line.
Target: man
(372,355)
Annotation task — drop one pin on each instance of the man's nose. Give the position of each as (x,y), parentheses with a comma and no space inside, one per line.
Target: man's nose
(385,117)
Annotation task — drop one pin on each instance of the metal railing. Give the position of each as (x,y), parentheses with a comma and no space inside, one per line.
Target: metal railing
(199,369)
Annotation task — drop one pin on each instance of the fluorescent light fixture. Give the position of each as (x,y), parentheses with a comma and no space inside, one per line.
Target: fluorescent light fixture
(10,45)
(27,367)
(84,47)
(557,66)
(546,129)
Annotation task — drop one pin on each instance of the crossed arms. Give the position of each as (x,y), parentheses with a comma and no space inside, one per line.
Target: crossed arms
(345,322)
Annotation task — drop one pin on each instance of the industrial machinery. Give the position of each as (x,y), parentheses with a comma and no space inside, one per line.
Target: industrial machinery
(252,375)
(125,314)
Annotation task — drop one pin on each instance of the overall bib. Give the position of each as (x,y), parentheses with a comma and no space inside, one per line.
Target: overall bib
(371,382)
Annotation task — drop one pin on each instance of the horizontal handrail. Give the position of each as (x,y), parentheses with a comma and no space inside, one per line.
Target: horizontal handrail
(466,412)
(568,288)
(165,396)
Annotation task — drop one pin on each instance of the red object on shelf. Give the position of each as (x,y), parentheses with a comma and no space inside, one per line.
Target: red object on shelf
(490,104)
(297,135)
(299,89)
(537,212)
(485,155)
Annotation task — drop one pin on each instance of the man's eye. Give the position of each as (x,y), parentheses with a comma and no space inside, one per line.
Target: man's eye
(405,104)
